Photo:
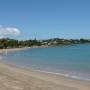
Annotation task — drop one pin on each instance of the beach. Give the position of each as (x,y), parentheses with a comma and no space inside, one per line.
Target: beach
(15,78)
(12,49)
(44,45)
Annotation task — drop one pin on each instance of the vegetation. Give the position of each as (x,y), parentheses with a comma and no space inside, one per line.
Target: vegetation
(12,43)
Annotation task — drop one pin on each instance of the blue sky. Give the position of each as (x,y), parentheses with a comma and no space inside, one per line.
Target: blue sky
(47,18)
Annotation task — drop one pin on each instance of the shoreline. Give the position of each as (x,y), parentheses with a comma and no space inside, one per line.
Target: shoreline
(12,49)
(37,70)
(41,80)
(66,75)
(14,77)
(63,75)
(25,48)
(19,49)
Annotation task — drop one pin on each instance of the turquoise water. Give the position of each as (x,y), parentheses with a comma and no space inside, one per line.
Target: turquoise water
(71,61)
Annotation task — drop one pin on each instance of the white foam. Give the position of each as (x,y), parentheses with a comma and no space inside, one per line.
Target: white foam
(65,75)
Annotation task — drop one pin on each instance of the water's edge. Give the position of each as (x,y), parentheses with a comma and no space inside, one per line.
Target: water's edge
(72,62)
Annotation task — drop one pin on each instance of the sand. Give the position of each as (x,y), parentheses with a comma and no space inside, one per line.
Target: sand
(12,50)
(15,78)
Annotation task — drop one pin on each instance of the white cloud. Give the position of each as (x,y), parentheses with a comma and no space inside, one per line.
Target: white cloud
(9,31)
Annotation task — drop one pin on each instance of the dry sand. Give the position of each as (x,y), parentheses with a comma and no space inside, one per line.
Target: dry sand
(12,49)
(14,78)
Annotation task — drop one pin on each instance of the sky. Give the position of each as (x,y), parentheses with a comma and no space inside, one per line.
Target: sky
(43,19)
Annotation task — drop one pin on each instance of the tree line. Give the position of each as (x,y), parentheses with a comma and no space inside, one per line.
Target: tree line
(13,43)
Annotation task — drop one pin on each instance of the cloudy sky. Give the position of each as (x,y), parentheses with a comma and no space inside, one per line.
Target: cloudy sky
(25,19)
(9,31)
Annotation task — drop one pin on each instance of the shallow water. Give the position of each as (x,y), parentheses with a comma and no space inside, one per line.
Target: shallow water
(71,61)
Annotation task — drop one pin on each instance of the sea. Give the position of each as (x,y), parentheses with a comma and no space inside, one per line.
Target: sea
(71,61)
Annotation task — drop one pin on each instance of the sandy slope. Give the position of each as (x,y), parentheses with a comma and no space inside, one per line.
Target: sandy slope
(12,78)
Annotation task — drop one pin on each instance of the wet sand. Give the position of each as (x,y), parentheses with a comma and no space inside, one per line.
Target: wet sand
(14,78)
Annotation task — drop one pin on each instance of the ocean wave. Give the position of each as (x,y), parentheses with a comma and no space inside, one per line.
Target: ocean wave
(65,75)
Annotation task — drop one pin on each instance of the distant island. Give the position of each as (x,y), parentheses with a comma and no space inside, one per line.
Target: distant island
(12,43)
